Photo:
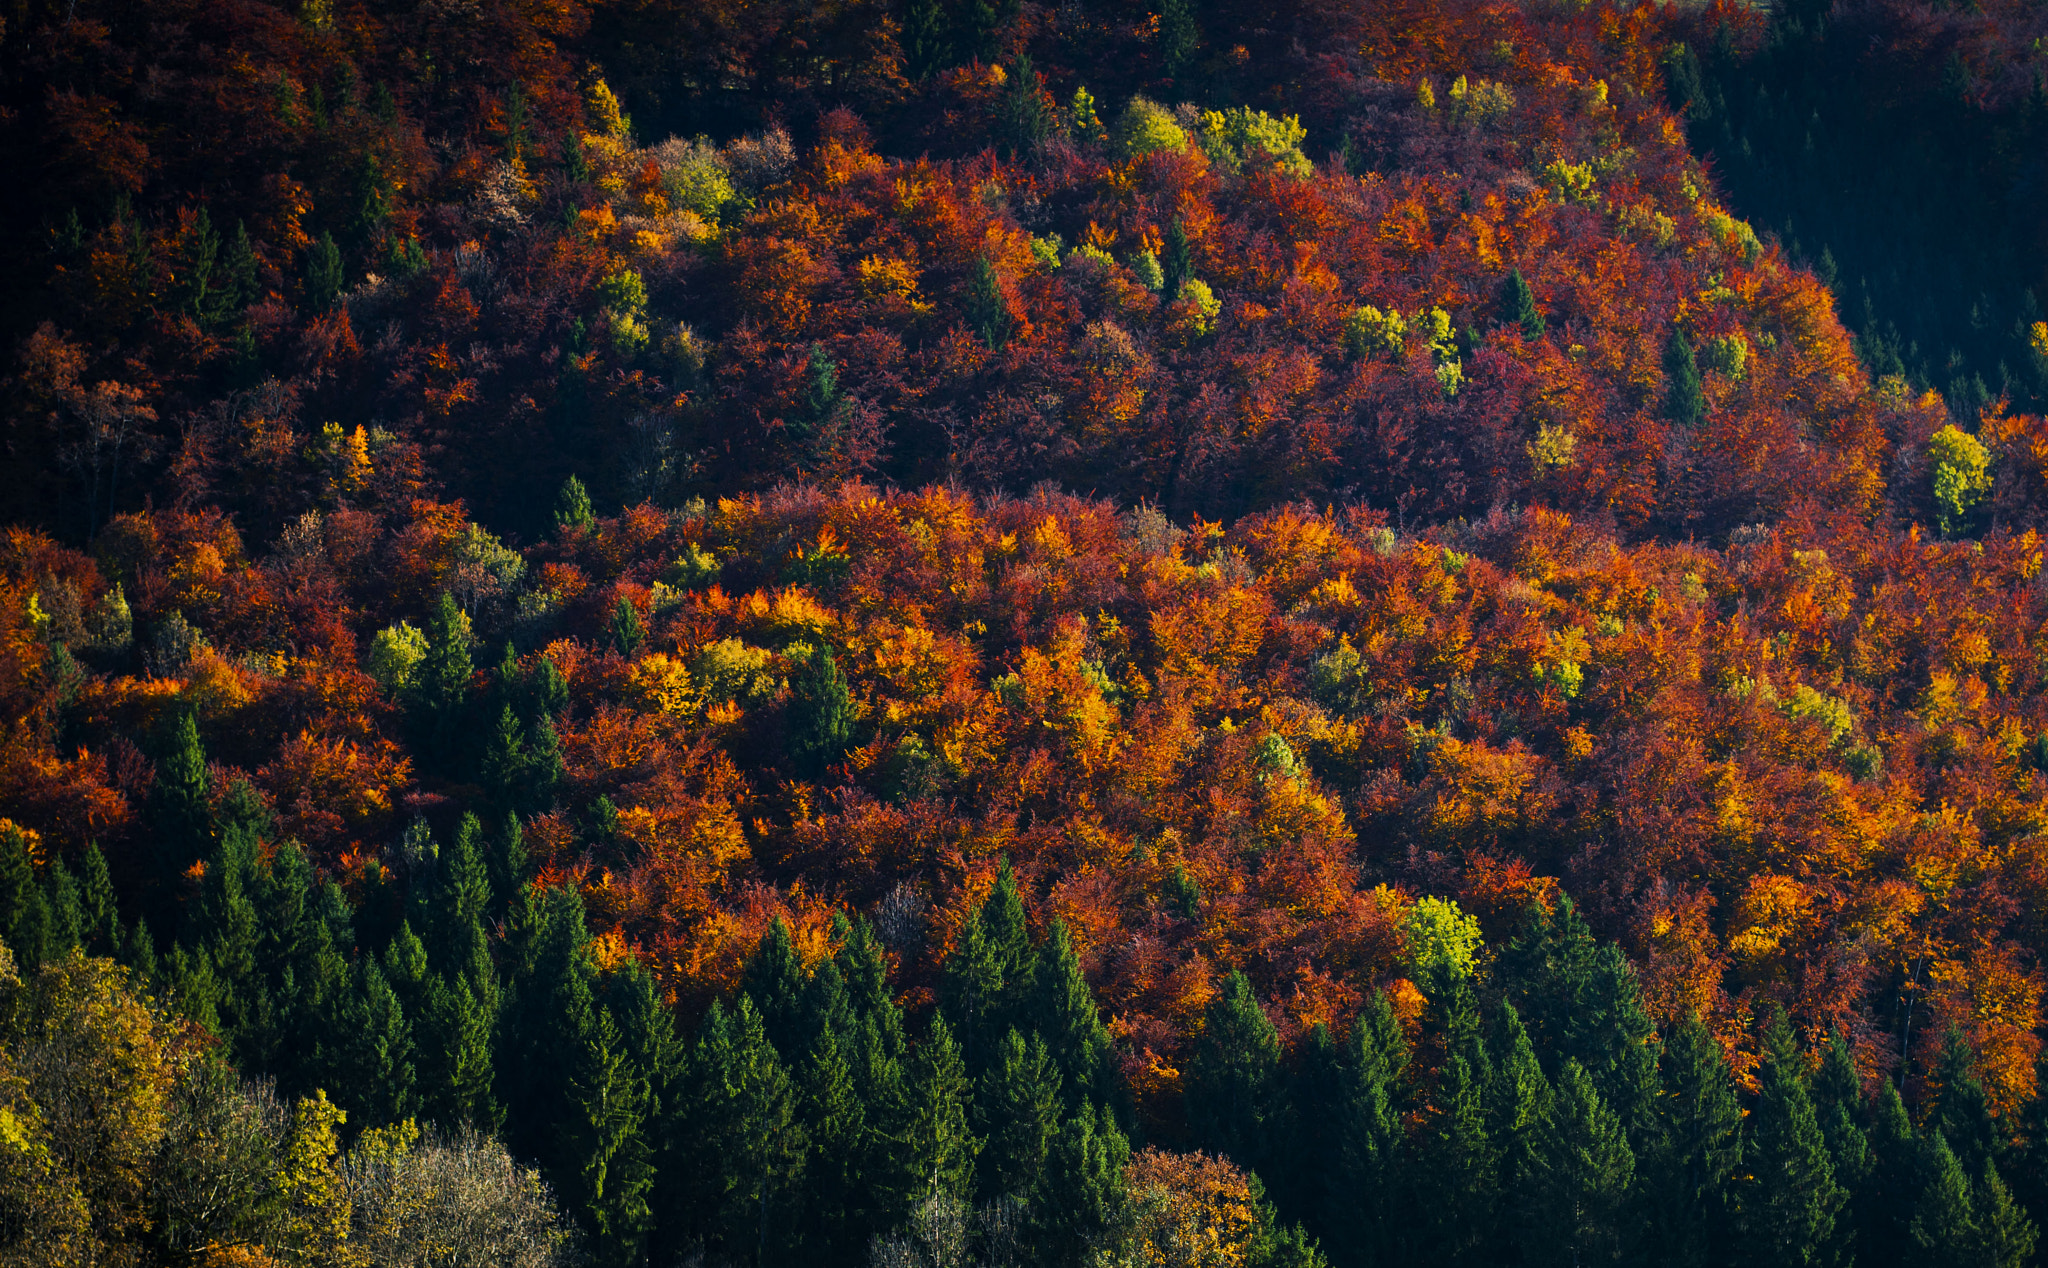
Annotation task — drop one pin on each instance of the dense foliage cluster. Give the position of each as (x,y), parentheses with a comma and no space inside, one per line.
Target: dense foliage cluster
(1183,633)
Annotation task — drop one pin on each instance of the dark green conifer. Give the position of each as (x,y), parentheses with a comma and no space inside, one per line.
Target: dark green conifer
(1064,1012)
(627,630)
(1837,1091)
(938,1146)
(324,278)
(1959,1108)
(456,1075)
(572,507)
(98,910)
(988,313)
(1886,1209)
(1176,261)
(926,49)
(835,1122)
(775,983)
(614,1168)
(507,863)
(1231,1078)
(1690,1169)
(1790,1200)
(1944,1226)
(1685,403)
(1518,306)
(1079,1198)
(179,813)
(1577,1199)
(1361,1214)
(440,684)
(375,1077)
(1179,37)
(741,1143)
(1517,1097)
(2005,1235)
(1453,1179)
(820,714)
(1017,1113)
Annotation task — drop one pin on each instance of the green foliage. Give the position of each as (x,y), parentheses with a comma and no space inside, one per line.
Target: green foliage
(324,280)
(395,651)
(1367,330)
(1518,306)
(1684,401)
(1146,126)
(1231,1080)
(1790,1200)
(821,714)
(1442,942)
(627,631)
(1581,1170)
(988,313)
(572,507)
(1831,714)
(1180,37)
(1962,479)
(1016,1114)
(1232,137)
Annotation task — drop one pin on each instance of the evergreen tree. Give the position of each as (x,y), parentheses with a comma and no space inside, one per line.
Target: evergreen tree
(1230,1081)
(627,631)
(572,507)
(241,284)
(926,50)
(546,1031)
(1691,1168)
(1617,1043)
(223,927)
(1837,1092)
(1023,113)
(1517,1097)
(324,278)
(23,910)
(820,714)
(179,813)
(1315,1096)
(1176,261)
(405,966)
(775,983)
(988,313)
(456,1031)
(614,1168)
(1080,1191)
(937,1145)
(826,1005)
(835,1122)
(970,992)
(374,1069)
(1179,37)
(1960,1110)
(743,1142)
(507,863)
(450,909)
(1944,1227)
(1582,1170)
(307,976)
(1359,1214)
(1453,1176)
(1518,306)
(2005,1236)
(823,399)
(503,770)
(1547,973)
(1886,1208)
(101,928)
(1685,403)
(1009,941)
(1790,1201)
(1017,1112)
(1063,1010)
(440,684)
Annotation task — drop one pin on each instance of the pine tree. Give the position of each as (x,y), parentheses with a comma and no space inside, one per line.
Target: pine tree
(1547,973)
(988,313)
(223,926)
(456,1067)
(1684,401)
(98,908)
(820,715)
(1176,261)
(823,399)
(1063,1010)
(1944,1226)
(938,1145)
(627,631)
(1582,1172)
(739,1139)
(1453,1175)
(1079,1196)
(1023,113)
(1960,1110)
(2005,1236)
(1790,1202)
(1883,1237)
(970,992)
(826,1006)
(1690,1170)
(240,282)
(307,976)
(179,813)
(67,914)
(572,507)
(1359,1214)
(1017,1112)
(1518,306)
(375,1071)
(614,1167)
(324,278)
(1517,1097)
(835,1122)
(503,770)
(926,50)
(1837,1092)
(545,1031)
(21,899)
(1617,1043)
(1009,942)
(1231,1079)
(775,983)
(1315,1097)
(507,863)
(440,683)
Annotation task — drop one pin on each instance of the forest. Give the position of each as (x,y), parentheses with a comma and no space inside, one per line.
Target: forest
(978,632)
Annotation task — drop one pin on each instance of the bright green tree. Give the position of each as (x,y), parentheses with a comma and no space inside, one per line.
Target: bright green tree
(937,1143)
(572,507)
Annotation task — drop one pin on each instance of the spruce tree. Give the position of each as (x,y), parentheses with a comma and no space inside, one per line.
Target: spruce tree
(545,1032)
(820,714)
(775,983)
(834,1121)
(1547,973)
(627,630)
(572,507)
(1359,1215)
(2005,1235)
(970,992)
(1690,1169)
(503,769)
(23,911)
(1684,401)
(66,928)
(926,49)
(1517,1097)
(1944,1226)
(1453,1176)
(1063,1010)
(1518,306)
(439,694)
(1231,1079)
(507,863)
(1960,1110)
(1582,1169)
(1886,1208)
(223,926)
(826,1005)
(456,1066)
(988,313)
(1016,1113)
(1314,1099)
(1837,1091)
(938,1145)
(1176,261)
(1617,1043)
(179,813)
(1790,1201)
(1179,37)
(1079,1196)
(738,1139)
(324,278)
(307,976)
(374,1068)
(97,904)
(614,1167)
(1009,942)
